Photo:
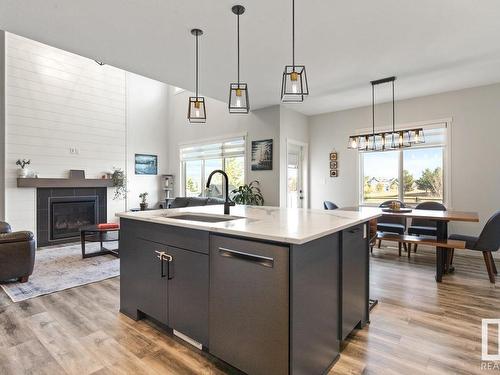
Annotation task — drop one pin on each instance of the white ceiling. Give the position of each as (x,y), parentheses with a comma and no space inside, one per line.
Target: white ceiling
(431,45)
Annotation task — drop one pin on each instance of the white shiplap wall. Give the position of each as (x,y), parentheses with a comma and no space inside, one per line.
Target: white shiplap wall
(55,101)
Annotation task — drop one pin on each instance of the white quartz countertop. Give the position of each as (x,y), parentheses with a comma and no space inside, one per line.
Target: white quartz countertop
(287,225)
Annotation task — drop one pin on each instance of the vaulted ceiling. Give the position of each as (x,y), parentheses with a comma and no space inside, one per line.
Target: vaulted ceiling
(432,46)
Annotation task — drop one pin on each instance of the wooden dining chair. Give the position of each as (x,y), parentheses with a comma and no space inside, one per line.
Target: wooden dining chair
(487,242)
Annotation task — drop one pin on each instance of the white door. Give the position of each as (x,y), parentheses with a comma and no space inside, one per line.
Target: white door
(296,192)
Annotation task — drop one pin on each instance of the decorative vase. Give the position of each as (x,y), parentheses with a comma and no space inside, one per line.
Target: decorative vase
(23,172)
(143,206)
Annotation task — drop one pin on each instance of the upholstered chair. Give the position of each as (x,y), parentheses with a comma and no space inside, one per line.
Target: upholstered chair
(17,254)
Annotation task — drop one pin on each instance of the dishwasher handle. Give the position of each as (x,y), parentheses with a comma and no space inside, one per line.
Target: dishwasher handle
(258,259)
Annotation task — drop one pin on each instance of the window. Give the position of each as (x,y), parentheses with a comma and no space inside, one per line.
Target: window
(198,161)
(412,175)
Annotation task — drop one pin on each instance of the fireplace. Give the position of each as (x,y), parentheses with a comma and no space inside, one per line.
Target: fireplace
(68,215)
(61,212)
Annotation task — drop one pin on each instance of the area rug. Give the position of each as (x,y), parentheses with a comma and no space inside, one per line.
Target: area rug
(59,268)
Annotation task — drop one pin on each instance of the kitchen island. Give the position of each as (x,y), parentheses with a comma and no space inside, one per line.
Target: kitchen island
(267,290)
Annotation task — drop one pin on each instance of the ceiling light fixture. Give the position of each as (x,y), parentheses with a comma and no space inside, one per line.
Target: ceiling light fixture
(196,111)
(294,82)
(384,141)
(238,92)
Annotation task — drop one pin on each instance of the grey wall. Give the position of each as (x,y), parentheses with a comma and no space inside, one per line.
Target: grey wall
(475,148)
(258,125)
(2,125)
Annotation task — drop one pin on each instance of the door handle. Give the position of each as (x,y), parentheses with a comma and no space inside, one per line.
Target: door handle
(169,259)
(165,257)
(259,259)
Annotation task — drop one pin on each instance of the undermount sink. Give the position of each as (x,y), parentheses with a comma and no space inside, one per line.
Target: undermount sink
(202,218)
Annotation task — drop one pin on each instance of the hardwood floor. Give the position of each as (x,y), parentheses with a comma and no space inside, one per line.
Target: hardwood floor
(418,327)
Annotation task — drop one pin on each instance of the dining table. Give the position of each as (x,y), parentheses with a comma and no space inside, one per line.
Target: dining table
(442,218)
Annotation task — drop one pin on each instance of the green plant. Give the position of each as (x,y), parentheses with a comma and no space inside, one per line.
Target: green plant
(143,197)
(248,194)
(119,183)
(23,163)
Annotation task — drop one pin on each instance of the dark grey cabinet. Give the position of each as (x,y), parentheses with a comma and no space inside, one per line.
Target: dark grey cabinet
(188,293)
(152,292)
(354,273)
(166,283)
(249,304)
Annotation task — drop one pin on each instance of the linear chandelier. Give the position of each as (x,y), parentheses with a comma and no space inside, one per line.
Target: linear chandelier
(388,140)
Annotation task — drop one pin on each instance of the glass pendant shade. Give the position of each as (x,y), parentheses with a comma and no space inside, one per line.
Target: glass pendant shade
(417,136)
(391,140)
(363,143)
(374,143)
(353,143)
(404,139)
(197,113)
(238,92)
(238,98)
(294,84)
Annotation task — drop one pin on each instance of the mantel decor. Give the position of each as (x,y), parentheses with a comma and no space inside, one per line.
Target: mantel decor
(387,140)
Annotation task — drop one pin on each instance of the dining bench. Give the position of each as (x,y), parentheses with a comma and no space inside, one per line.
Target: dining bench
(410,239)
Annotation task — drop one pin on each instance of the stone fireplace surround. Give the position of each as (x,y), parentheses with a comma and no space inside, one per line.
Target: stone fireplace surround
(45,195)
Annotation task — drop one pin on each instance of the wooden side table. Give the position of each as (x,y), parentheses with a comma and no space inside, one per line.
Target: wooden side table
(92,233)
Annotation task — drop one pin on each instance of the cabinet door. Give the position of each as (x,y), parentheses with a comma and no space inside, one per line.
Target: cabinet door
(354,260)
(188,293)
(150,275)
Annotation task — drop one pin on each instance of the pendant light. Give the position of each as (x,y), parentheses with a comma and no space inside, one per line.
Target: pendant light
(294,82)
(196,110)
(238,92)
(391,140)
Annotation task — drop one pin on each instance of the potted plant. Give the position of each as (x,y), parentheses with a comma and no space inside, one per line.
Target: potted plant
(143,203)
(24,171)
(119,183)
(248,194)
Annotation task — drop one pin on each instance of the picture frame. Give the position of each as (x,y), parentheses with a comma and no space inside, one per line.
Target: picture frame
(334,173)
(262,155)
(333,164)
(146,164)
(333,155)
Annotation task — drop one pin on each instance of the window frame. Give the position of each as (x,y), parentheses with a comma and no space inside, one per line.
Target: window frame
(182,187)
(441,123)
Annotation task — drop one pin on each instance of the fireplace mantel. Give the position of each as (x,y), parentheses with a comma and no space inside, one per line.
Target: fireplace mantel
(63,182)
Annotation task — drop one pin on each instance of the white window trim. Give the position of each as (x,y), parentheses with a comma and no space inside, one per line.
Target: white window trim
(204,141)
(447,193)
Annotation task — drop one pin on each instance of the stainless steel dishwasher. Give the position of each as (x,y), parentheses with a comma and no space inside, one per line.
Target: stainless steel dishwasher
(249,304)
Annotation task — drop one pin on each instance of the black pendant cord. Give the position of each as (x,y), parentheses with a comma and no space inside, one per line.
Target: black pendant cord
(196,79)
(238,38)
(293,35)
(393,112)
(373,116)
